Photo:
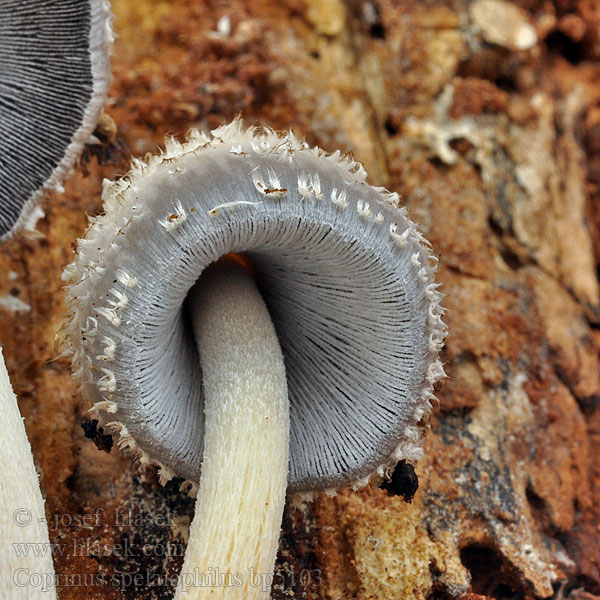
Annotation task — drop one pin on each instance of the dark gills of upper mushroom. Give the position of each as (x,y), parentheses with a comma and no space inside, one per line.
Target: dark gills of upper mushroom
(54,75)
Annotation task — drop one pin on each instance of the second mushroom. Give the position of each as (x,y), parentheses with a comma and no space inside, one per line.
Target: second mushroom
(317,334)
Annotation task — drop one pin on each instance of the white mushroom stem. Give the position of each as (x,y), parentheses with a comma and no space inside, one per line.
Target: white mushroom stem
(235,532)
(26,569)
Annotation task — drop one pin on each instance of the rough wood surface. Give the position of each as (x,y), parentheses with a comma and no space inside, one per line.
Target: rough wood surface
(496,150)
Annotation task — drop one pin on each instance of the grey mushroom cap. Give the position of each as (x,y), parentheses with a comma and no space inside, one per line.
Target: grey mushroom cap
(348,280)
(54,76)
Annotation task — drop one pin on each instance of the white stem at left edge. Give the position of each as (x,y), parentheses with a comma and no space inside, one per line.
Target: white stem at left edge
(26,568)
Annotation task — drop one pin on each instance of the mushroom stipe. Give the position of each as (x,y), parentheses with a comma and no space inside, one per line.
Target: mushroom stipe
(346,277)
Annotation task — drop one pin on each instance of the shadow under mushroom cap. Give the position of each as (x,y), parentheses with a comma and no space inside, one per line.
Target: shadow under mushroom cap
(346,276)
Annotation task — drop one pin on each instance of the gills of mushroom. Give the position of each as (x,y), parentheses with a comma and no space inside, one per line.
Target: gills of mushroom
(53,82)
(54,76)
(25,555)
(349,285)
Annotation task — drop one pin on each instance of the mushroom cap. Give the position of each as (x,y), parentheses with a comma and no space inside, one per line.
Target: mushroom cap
(53,81)
(348,279)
